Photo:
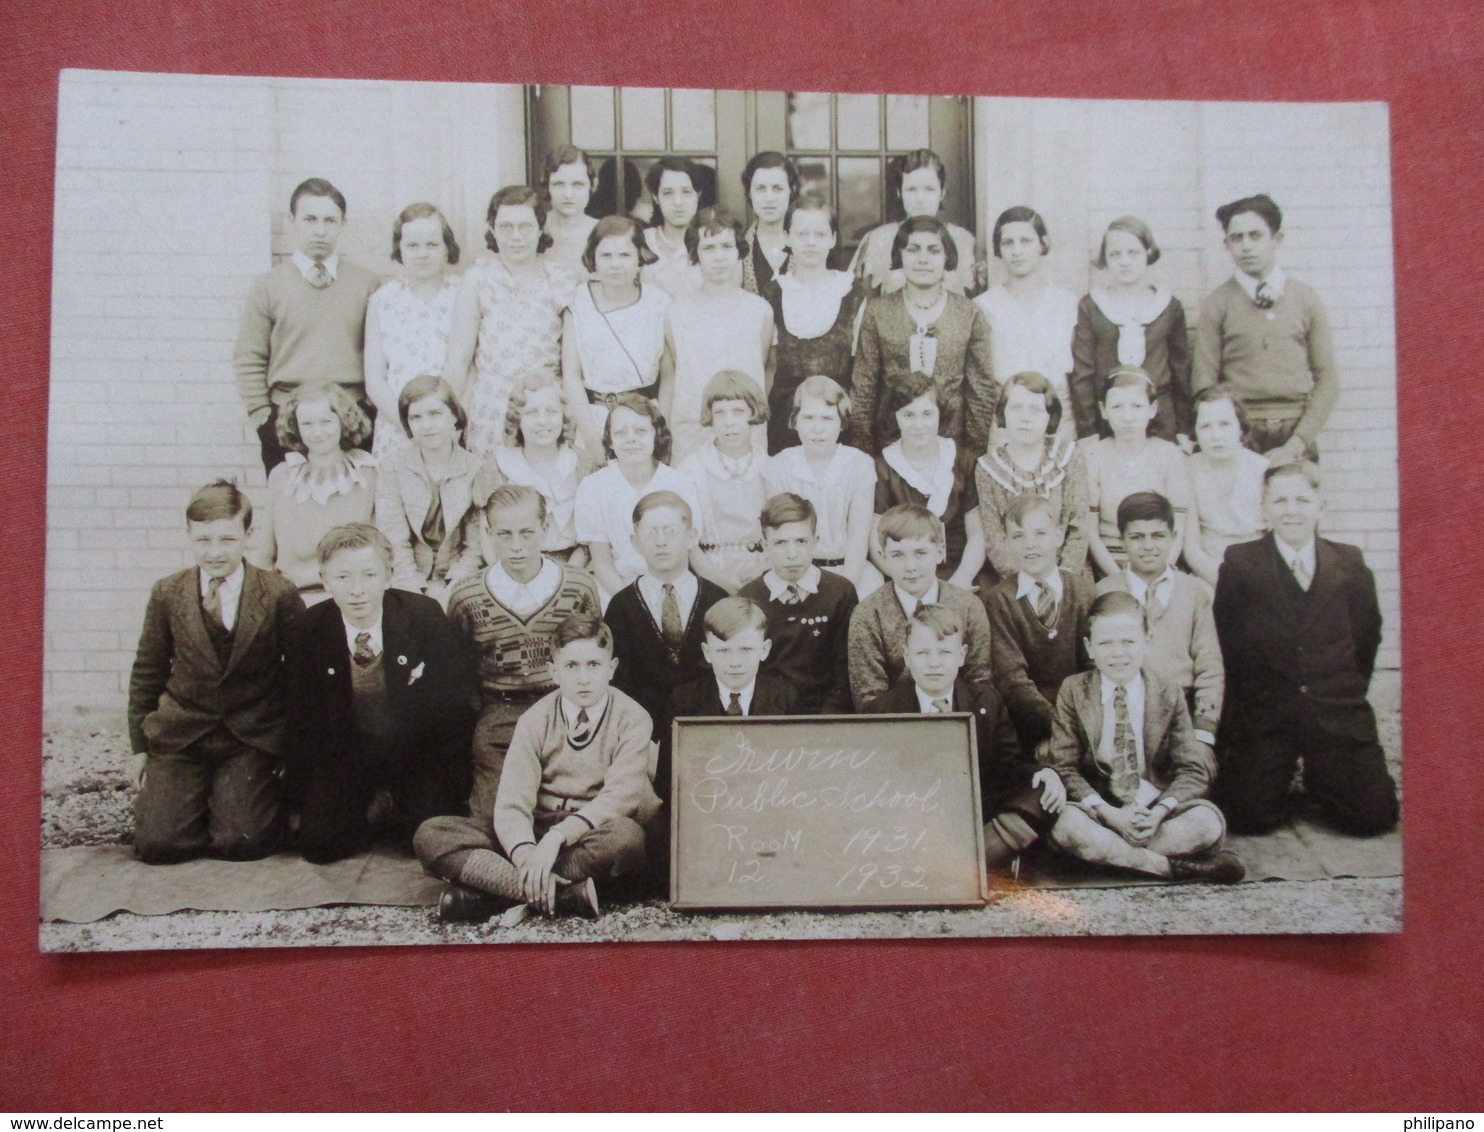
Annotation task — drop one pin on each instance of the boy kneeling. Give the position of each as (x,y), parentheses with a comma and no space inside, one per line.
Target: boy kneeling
(1122,742)
(380,702)
(1019,798)
(575,789)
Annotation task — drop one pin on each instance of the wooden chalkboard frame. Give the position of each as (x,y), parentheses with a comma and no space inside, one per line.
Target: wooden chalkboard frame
(763,903)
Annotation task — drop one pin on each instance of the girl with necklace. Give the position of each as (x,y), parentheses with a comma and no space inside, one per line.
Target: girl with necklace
(924,328)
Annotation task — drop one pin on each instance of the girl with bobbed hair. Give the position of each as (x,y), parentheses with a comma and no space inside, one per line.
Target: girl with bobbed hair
(816,312)
(613,333)
(568,177)
(540,426)
(324,481)
(1226,479)
(507,319)
(424,492)
(1128,320)
(1030,457)
(1031,319)
(408,318)
(770,181)
(924,328)
(922,190)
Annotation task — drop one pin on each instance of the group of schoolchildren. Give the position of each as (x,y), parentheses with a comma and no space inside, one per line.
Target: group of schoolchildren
(512,721)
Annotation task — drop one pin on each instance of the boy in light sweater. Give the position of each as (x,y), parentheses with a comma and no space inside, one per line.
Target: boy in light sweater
(1183,648)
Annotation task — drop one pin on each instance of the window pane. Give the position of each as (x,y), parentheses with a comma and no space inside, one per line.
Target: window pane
(808,121)
(906,121)
(592,117)
(860,196)
(858,117)
(643,118)
(693,120)
(814,176)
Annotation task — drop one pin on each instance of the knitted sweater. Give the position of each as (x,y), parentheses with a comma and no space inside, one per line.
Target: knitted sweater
(1183,648)
(878,640)
(1030,661)
(1278,359)
(513,654)
(293,332)
(607,778)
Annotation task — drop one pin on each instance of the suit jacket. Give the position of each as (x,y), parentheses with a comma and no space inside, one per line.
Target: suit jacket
(403,495)
(1174,760)
(1003,768)
(1030,663)
(1295,654)
(647,670)
(428,685)
(179,689)
(770,696)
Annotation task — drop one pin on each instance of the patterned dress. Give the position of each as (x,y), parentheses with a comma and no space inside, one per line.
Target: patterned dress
(816,335)
(414,340)
(1061,478)
(520,334)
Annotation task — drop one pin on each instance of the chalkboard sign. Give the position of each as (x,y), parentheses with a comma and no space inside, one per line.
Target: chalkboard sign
(876,811)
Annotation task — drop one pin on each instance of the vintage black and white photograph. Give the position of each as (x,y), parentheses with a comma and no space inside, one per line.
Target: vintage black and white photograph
(536,513)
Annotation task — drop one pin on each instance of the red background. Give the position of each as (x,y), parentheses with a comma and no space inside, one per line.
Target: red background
(1229,1023)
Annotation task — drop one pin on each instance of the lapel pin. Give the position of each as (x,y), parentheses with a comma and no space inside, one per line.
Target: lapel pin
(402,660)
(331,671)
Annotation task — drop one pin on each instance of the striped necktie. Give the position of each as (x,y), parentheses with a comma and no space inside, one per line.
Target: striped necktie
(1123,783)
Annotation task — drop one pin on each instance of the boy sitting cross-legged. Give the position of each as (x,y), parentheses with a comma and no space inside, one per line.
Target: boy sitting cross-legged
(1137,778)
(808,609)
(1038,621)
(1182,630)
(1019,798)
(507,617)
(912,546)
(575,789)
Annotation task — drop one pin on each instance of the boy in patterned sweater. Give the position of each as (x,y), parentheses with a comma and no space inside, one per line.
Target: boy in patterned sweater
(507,616)
(1038,621)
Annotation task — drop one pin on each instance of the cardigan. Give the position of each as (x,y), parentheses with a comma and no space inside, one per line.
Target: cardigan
(810,642)
(963,372)
(404,492)
(1030,661)
(607,779)
(1183,648)
(1281,361)
(293,332)
(878,640)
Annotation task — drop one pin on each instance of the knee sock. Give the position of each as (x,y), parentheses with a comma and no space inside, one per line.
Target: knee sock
(489,872)
(1006,836)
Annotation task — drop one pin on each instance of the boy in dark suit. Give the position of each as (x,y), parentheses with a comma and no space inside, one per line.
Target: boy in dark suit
(736,644)
(1299,626)
(808,609)
(1017,796)
(380,692)
(1136,778)
(207,718)
(1038,621)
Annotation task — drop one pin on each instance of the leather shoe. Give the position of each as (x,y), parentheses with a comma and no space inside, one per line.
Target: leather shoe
(578,899)
(461,905)
(1222,867)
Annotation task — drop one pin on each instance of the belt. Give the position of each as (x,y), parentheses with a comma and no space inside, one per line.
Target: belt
(753,547)
(559,802)
(608,400)
(829,562)
(1282,411)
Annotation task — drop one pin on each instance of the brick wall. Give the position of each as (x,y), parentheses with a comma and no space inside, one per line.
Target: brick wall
(172,195)
(1083,163)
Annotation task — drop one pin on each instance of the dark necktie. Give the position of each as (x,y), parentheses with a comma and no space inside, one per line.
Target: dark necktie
(212,603)
(582,731)
(363,654)
(1265,298)
(1045,605)
(319,276)
(942,705)
(1123,783)
(735,707)
(433,529)
(793,595)
(670,627)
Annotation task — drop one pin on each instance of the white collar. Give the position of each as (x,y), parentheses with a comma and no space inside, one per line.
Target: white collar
(1276,281)
(1290,556)
(777,587)
(1142,307)
(524,597)
(1026,585)
(744,695)
(910,603)
(351,633)
(230,586)
(925,701)
(306,265)
(686,587)
(594,714)
(1135,692)
(939,485)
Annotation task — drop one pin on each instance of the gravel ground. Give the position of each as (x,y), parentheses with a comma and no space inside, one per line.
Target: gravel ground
(86,800)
